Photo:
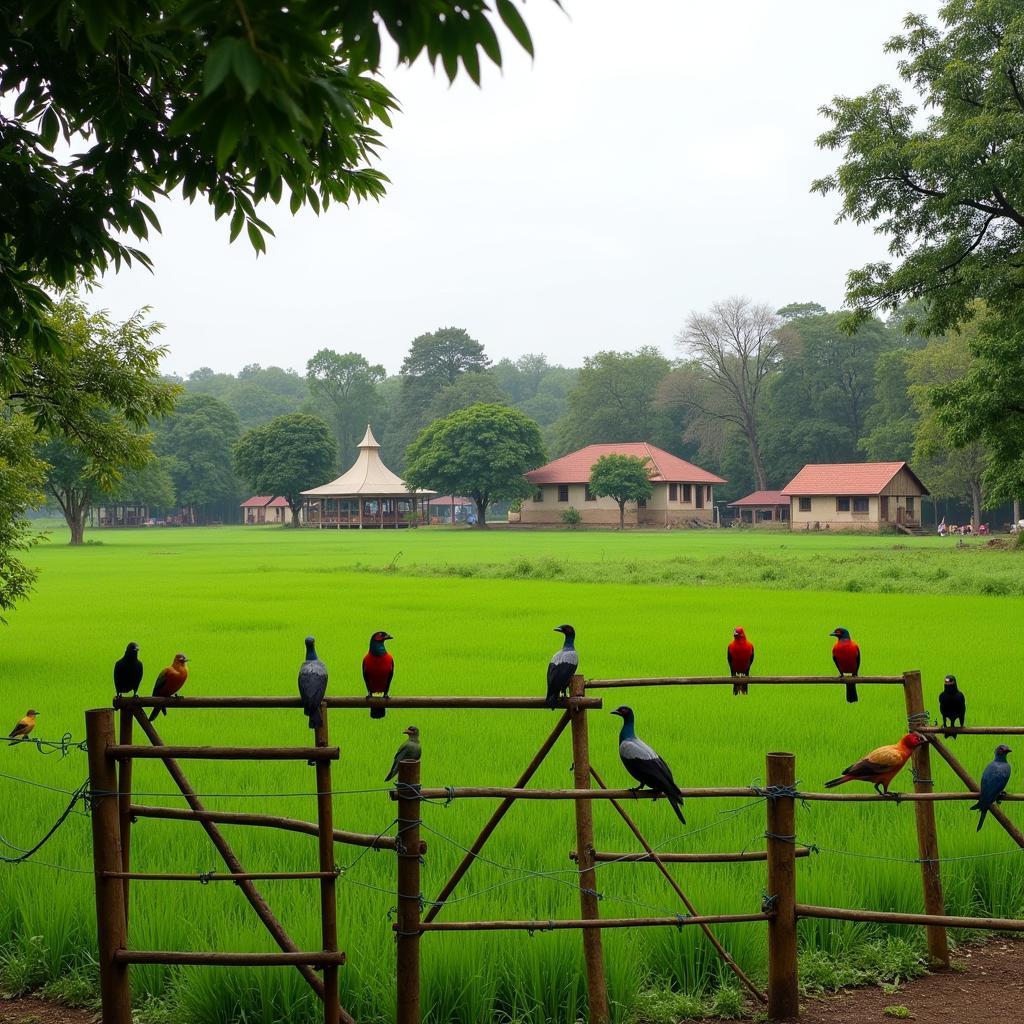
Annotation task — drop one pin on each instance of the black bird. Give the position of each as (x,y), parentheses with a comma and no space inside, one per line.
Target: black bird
(409,751)
(312,684)
(644,764)
(128,671)
(562,666)
(952,705)
(993,783)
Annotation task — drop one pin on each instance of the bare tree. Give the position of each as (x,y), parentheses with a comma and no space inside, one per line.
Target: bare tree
(735,347)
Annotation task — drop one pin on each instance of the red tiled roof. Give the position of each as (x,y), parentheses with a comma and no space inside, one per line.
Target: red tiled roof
(575,467)
(258,501)
(761,498)
(846,478)
(448,499)
(279,503)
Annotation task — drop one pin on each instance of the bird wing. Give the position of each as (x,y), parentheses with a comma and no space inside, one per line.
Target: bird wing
(23,728)
(878,762)
(562,667)
(835,661)
(728,654)
(645,765)
(751,662)
(161,681)
(312,682)
(856,666)
(993,780)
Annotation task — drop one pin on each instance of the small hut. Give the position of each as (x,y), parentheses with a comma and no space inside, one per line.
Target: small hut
(366,496)
(450,509)
(265,510)
(762,507)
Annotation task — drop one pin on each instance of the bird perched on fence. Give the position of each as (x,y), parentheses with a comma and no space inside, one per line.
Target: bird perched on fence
(409,751)
(952,705)
(23,728)
(378,670)
(644,764)
(562,666)
(312,684)
(128,671)
(169,682)
(846,655)
(993,782)
(882,765)
(741,656)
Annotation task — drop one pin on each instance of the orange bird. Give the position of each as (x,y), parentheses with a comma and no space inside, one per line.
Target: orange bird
(169,682)
(741,656)
(881,766)
(24,727)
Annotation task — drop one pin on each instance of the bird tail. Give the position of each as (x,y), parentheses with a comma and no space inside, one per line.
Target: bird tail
(677,806)
(551,700)
(391,774)
(981,820)
(851,693)
(832,783)
(315,718)
(376,712)
(155,712)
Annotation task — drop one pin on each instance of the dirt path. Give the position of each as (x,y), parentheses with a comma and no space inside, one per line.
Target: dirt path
(988,985)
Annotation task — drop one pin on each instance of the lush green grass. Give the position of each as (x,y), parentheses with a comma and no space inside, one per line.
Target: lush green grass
(238,602)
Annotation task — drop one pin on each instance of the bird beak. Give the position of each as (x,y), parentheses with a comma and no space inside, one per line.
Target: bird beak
(408,732)
(388,636)
(619,713)
(558,629)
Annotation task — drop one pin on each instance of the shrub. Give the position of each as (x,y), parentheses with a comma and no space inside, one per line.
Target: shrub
(571,517)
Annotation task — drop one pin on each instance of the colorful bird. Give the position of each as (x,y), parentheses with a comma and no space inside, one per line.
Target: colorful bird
(409,751)
(741,656)
(881,766)
(562,666)
(952,705)
(23,728)
(378,670)
(644,764)
(169,682)
(312,684)
(846,655)
(128,671)
(993,782)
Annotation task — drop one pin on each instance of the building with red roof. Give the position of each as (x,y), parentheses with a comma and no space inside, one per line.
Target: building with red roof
(683,493)
(762,507)
(855,496)
(265,510)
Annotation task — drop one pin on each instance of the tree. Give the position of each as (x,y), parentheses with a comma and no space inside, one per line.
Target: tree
(441,357)
(736,347)
(197,441)
(482,451)
(622,478)
(945,188)
(892,419)
(470,389)
(107,106)
(347,386)
(615,399)
(286,456)
(22,473)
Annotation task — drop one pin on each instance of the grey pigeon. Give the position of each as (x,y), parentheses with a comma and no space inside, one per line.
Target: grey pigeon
(312,684)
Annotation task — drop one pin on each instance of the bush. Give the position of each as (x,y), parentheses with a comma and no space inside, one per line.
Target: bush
(571,517)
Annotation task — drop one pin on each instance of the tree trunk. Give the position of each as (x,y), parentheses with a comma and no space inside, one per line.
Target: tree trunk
(481,513)
(622,515)
(1016,510)
(755,457)
(975,506)
(296,509)
(76,523)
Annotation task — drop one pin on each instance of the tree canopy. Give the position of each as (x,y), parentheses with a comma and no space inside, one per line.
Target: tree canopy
(481,451)
(108,105)
(346,385)
(287,456)
(940,177)
(623,478)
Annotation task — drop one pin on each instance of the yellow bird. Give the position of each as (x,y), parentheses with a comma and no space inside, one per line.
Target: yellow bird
(24,727)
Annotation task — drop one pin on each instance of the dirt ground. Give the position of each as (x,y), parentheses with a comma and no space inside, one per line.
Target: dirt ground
(987,985)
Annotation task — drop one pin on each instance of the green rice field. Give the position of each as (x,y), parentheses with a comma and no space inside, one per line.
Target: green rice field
(472,613)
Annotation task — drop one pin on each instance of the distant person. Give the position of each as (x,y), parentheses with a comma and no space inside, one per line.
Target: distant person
(942,527)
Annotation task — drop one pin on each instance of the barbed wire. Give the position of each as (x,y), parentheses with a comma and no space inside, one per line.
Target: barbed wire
(64,745)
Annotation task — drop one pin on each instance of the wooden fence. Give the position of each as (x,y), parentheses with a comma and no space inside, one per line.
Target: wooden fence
(110,765)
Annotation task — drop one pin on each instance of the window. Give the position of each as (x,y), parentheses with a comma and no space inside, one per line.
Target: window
(563,492)
(538,495)
(805,504)
(687,496)
(587,495)
(842,504)
(860,505)
(910,504)
(707,493)
(764,515)
(673,492)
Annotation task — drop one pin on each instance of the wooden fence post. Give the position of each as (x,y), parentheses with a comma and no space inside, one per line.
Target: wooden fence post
(111,926)
(924,816)
(597,989)
(783,982)
(328,886)
(124,800)
(409,897)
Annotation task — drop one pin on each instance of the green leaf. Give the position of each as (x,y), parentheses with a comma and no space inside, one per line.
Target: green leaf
(218,64)
(515,24)
(248,69)
(237,220)
(49,128)
(256,238)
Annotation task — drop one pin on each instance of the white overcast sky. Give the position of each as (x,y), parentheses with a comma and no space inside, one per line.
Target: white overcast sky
(654,157)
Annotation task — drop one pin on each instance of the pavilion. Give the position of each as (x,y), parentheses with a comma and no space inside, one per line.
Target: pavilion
(366,496)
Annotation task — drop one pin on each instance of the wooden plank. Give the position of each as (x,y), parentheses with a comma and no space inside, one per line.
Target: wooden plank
(783,982)
(124,800)
(178,753)
(943,921)
(201,959)
(511,793)
(263,821)
(589,923)
(354,703)
(615,684)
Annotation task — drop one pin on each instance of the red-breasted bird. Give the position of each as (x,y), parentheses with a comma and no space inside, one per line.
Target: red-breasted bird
(312,684)
(128,671)
(741,656)
(952,705)
(378,670)
(410,750)
(563,665)
(644,764)
(881,766)
(23,728)
(993,782)
(169,682)
(846,655)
